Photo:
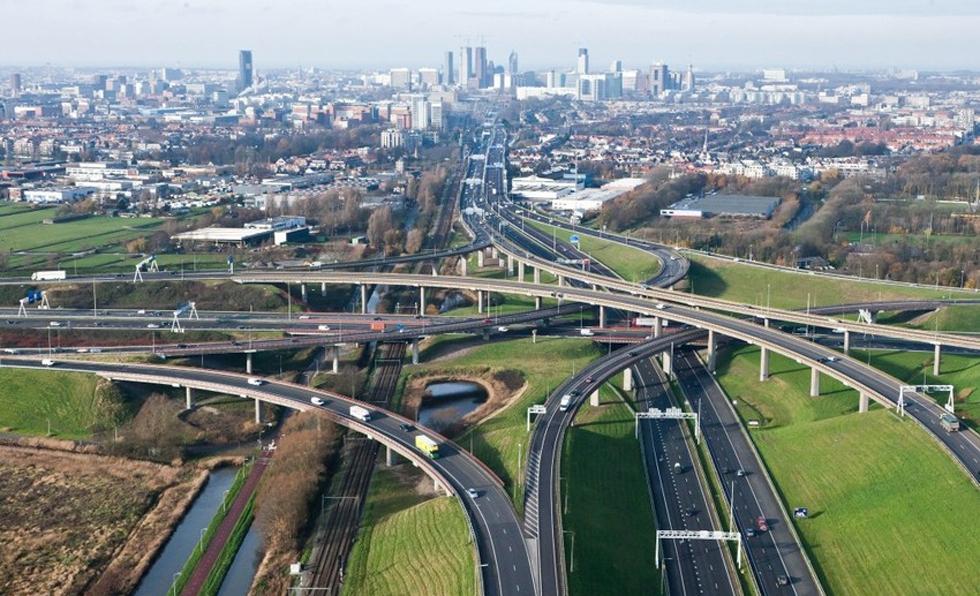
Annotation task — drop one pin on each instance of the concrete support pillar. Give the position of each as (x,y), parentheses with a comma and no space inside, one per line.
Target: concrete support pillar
(628,379)
(258,411)
(561,281)
(510,266)
(764,364)
(668,361)
(594,398)
(479,301)
(657,327)
(711,351)
(537,303)
(323,288)
(847,341)
(190,397)
(421,300)
(248,363)
(863,403)
(493,253)
(335,354)
(480,256)
(302,291)
(936,355)
(537,275)
(391,457)
(602,317)
(814,382)
(463,264)
(364,299)
(765,323)
(520,270)
(415,351)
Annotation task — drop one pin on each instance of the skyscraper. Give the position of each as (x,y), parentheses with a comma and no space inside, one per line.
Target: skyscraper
(512,63)
(480,71)
(687,83)
(245,71)
(465,65)
(616,66)
(450,76)
(659,78)
(15,84)
(583,61)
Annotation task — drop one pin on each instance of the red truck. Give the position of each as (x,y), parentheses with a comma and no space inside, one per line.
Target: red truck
(761,525)
(377,326)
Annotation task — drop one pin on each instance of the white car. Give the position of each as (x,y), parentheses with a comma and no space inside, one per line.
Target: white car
(304,317)
(503,329)
(472,492)
(660,306)
(54,324)
(316,401)
(323,327)
(255,381)
(152,326)
(47,362)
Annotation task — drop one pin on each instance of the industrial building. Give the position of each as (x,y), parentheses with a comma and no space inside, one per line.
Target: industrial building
(592,199)
(723,206)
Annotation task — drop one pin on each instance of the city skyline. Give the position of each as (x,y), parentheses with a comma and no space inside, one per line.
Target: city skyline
(203,34)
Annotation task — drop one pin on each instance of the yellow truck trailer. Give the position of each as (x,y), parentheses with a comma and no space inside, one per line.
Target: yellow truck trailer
(427,446)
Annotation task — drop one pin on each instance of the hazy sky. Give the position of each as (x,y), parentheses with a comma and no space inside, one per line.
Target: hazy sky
(382,33)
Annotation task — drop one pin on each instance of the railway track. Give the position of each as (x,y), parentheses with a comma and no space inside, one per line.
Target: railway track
(359,457)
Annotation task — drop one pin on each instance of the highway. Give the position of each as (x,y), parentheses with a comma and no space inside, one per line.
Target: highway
(496,527)
(775,553)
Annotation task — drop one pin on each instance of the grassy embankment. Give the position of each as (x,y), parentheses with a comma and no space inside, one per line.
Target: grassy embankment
(410,543)
(879,490)
(609,509)
(750,284)
(76,405)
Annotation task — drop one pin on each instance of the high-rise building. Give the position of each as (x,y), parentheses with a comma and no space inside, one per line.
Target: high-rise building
(450,75)
(436,115)
(171,74)
(616,66)
(15,84)
(480,71)
(465,65)
(400,78)
(583,61)
(512,63)
(428,77)
(659,78)
(420,112)
(687,83)
(245,70)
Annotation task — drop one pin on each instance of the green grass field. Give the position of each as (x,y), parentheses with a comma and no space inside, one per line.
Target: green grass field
(756,285)
(91,232)
(962,372)
(409,544)
(501,439)
(890,512)
(911,239)
(609,508)
(71,402)
(961,317)
(632,264)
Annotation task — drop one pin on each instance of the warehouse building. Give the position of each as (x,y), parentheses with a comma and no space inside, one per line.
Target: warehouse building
(723,206)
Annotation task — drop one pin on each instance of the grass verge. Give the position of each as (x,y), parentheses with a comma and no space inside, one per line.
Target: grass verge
(632,264)
(879,490)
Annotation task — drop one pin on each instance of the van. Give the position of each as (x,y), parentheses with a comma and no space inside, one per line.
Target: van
(566,401)
(254,381)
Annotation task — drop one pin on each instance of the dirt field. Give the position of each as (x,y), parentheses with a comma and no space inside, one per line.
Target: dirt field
(65,516)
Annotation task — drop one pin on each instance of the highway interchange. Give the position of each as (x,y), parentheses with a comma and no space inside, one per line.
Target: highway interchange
(704,567)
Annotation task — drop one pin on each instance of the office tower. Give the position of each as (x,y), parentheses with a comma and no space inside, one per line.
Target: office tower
(616,66)
(583,61)
(245,71)
(15,84)
(171,74)
(687,83)
(99,82)
(428,77)
(465,65)
(550,81)
(420,112)
(659,78)
(400,78)
(480,71)
(450,76)
(512,63)
(436,117)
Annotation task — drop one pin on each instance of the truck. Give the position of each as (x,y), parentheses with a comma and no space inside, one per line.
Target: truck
(761,525)
(362,414)
(377,326)
(566,401)
(427,446)
(49,275)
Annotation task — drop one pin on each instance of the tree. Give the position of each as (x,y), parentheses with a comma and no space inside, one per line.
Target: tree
(414,242)
(379,223)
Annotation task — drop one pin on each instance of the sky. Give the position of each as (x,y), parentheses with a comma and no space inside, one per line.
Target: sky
(711,34)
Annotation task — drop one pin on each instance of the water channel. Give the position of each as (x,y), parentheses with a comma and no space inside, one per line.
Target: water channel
(446,402)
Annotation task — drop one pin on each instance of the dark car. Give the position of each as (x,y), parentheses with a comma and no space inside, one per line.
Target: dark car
(406,427)
(631,354)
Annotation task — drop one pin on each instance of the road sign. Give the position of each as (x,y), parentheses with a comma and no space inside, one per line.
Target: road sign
(573,238)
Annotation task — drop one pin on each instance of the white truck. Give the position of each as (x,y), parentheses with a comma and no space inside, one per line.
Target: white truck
(255,381)
(362,414)
(49,275)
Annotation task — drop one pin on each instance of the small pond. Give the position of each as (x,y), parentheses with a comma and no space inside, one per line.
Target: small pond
(446,402)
